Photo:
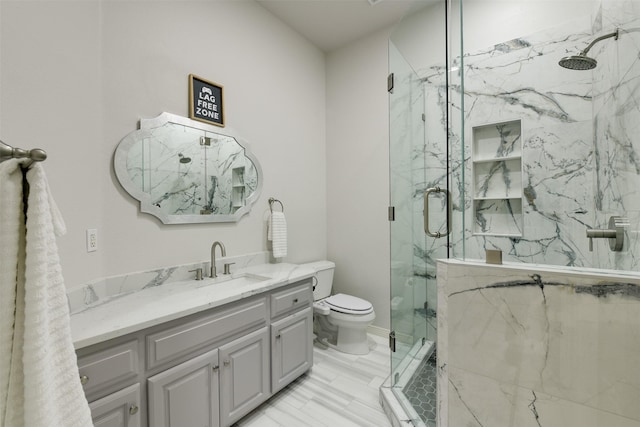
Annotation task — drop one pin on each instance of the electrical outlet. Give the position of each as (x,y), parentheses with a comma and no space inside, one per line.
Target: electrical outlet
(92,240)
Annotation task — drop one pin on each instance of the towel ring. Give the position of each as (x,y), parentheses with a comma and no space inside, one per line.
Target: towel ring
(272,201)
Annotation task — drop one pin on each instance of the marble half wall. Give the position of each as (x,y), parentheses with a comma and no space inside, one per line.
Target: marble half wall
(533,346)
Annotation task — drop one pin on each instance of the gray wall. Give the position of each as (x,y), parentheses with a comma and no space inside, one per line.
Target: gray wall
(358,171)
(75,78)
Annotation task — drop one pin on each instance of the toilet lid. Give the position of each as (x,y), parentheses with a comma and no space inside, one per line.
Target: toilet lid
(349,304)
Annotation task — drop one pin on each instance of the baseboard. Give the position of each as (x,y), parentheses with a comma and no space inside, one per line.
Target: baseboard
(378,331)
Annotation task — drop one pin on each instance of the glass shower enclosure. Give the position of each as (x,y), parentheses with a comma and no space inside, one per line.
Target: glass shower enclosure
(537,158)
(418,199)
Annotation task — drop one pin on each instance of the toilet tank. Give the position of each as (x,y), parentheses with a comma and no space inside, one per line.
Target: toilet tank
(324,274)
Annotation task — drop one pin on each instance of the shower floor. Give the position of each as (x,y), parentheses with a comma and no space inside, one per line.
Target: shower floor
(421,391)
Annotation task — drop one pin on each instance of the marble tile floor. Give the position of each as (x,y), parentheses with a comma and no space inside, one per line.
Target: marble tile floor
(341,390)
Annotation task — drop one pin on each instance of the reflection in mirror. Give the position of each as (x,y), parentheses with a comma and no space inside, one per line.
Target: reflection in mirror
(184,171)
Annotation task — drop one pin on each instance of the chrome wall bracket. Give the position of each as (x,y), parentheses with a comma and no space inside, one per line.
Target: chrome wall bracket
(615,233)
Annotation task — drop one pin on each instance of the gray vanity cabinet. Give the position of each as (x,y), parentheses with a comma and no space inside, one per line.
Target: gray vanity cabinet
(244,376)
(109,369)
(291,333)
(105,375)
(119,409)
(291,348)
(207,369)
(186,395)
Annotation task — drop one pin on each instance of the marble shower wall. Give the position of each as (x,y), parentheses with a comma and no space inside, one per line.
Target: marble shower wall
(580,162)
(520,80)
(616,127)
(521,346)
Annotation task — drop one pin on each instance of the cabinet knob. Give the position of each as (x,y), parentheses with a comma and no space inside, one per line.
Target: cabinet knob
(215,368)
(295,300)
(278,336)
(227,362)
(133,409)
(84,379)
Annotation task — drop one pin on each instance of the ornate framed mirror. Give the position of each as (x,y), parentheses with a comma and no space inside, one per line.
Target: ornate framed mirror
(185,171)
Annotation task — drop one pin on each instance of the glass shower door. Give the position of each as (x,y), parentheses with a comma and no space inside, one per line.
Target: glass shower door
(406,128)
(418,162)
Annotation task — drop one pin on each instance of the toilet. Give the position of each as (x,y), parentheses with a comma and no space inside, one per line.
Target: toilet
(339,321)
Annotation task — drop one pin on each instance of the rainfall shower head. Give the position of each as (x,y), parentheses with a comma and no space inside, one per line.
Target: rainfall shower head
(578,62)
(582,61)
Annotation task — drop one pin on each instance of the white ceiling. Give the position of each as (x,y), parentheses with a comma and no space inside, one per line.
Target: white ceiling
(330,24)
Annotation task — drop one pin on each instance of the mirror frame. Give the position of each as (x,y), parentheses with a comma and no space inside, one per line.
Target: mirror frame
(146,206)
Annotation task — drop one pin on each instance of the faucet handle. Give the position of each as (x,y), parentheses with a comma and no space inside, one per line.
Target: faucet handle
(227,267)
(198,273)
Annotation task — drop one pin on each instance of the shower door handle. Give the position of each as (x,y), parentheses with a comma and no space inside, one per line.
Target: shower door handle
(437,234)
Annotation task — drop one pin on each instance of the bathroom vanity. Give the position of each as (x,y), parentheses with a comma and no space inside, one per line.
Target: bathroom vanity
(206,353)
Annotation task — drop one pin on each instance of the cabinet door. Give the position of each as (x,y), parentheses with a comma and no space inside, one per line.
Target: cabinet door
(291,348)
(244,377)
(186,395)
(119,409)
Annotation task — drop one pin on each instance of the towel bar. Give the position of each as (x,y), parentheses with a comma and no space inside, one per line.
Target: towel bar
(8,152)
(272,201)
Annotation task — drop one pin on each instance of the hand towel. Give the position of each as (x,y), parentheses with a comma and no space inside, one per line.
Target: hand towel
(277,233)
(44,389)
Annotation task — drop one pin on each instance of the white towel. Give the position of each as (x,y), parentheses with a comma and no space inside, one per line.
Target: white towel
(44,388)
(277,234)
(12,242)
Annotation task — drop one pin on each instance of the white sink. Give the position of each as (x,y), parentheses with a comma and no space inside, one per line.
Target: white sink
(234,280)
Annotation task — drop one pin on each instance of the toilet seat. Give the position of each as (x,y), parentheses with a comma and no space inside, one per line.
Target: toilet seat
(348,304)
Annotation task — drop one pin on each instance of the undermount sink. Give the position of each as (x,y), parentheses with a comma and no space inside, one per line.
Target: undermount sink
(234,280)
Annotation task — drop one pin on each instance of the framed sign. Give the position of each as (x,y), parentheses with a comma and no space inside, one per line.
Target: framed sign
(205,101)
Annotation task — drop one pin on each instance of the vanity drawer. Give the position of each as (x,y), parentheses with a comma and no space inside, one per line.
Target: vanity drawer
(173,343)
(102,371)
(290,299)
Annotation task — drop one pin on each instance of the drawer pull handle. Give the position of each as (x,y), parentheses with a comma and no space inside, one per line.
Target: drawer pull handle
(215,368)
(227,362)
(278,336)
(133,409)
(84,379)
(295,300)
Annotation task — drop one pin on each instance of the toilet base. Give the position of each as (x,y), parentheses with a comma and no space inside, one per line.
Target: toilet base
(343,333)
(352,341)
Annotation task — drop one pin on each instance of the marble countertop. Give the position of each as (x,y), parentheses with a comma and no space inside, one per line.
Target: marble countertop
(134,311)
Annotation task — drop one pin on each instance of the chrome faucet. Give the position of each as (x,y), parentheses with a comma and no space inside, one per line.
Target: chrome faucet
(223,252)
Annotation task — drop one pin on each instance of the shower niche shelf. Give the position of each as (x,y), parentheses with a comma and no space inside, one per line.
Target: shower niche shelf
(497,179)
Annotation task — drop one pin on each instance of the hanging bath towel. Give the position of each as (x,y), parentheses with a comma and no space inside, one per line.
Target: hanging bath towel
(277,233)
(12,242)
(44,388)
